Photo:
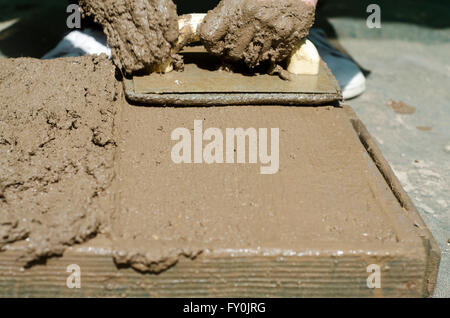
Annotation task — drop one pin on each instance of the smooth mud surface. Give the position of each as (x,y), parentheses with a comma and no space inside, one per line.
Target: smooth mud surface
(141,33)
(56,151)
(167,211)
(256,31)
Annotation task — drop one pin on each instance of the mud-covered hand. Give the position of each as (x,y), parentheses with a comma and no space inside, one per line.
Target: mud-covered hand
(141,33)
(255,31)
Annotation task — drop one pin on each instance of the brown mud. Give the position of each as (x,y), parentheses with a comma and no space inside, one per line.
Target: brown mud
(256,31)
(141,33)
(401,107)
(167,211)
(77,161)
(56,151)
(424,128)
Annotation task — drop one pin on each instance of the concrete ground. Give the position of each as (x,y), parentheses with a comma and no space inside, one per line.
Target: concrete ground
(409,62)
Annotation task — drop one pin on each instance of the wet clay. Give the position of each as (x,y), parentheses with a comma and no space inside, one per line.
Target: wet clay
(56,151)
(141,33)
(256,31)
(168,212)
(401,107)
(424,128)
(77,161)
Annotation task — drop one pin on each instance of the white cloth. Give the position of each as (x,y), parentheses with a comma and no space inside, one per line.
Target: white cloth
(79,43)
(347,73)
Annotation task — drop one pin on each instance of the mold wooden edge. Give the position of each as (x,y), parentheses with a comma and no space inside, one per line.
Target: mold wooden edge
(235,99)
(215,276)
(230,99)
(432,248)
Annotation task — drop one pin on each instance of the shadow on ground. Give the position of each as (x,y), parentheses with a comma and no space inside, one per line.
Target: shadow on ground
(39,26)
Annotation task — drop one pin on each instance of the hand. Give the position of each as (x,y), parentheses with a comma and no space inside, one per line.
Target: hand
(255,31)
(141,33)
